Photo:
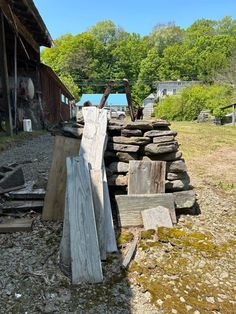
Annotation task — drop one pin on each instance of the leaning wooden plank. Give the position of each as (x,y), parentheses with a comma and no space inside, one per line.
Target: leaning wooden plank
(16,225)
(130,253)
(54,203)
(85,254)
(65,257)
(20,205)
(109,226)
(94,136)
(146,177)
(156,217)
(25,194)
(98,203)
(130,207)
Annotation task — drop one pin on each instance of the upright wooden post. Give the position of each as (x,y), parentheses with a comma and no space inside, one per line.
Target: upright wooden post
(4,72)
(106,94)
(15,81)
(129,99)
(233,116)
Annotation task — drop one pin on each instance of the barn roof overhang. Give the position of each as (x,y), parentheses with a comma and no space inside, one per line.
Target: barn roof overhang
(26,20)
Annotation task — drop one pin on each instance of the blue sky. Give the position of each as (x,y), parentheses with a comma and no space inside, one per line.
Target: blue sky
(139,16)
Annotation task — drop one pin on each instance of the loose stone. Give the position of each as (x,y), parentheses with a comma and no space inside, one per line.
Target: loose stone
(119,167)
(130,140)
(163,139)
(141,125)
(126,157)
(156,133)
(155,149)
(122,147)
(127,132)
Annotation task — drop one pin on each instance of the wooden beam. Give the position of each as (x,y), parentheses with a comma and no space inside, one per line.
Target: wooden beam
(129,99)
(106,94)
(21,29)
(4,72)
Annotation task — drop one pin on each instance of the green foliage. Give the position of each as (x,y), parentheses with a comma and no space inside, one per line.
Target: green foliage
(193,100)
(106,51)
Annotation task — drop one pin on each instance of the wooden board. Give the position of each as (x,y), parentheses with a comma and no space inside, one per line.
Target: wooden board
(156,217)
(146,177)
(94,136)
(54,203)
(109,226)
(98,203)
(130,207)
(130,253)
(16,225)
(84,247)
(20,205)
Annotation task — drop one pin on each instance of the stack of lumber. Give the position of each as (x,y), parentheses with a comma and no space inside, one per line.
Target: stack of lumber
(88,231)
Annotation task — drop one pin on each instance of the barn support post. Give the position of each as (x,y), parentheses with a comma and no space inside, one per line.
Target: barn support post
(15,82)
(4,72)
(233,116)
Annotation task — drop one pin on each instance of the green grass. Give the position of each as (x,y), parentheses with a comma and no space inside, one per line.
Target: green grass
(8,141)
(198,140)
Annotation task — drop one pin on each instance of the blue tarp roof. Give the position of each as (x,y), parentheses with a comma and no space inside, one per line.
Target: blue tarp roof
(113,99)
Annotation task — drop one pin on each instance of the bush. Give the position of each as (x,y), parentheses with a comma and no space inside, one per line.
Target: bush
(193,100)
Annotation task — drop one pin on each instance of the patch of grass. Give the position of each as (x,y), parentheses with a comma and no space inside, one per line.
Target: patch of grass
(8,141)
(199,139)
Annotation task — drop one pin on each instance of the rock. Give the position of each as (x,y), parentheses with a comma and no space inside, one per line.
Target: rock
(122,147)
(130,140)
(126,157)
(109,172)
(184,199)
(155,149)
(127,132)
(117,167)
(72,132)
(118,180)
(176,166)
(109,157)
(176,185)
(141,125)
(163,139)
(116,127)
(166,157)
(157,133)
(160,123)
(176,176)
(115,122)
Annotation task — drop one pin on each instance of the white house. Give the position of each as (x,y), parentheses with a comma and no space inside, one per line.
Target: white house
(148,104)
(169,88)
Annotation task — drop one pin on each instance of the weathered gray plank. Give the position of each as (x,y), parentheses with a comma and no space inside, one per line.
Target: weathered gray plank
(85,254)
(98,203)
(146,177)
(94,136)
(130,207)
(16,225)
(130,253)
(156,217)
(65,256)
(109,227)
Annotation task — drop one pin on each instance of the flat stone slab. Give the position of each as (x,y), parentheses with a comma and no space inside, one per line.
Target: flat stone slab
(176,166)
(177,185)
(130,140)
(119,167)
(160,123)
(117,180)
(126,157)
(130,207)
(157,133)
(184,199)
(155,149)
(176,176)
(141,125)
(165,157)
(122,147)
(127,132)
(163,139)
(156,217)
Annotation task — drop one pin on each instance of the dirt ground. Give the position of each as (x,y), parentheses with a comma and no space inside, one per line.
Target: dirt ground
(187,269)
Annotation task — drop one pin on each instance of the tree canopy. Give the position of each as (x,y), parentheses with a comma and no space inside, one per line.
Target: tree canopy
(87,61)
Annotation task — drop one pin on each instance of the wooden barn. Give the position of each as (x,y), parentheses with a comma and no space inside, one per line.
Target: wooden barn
(28,89)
